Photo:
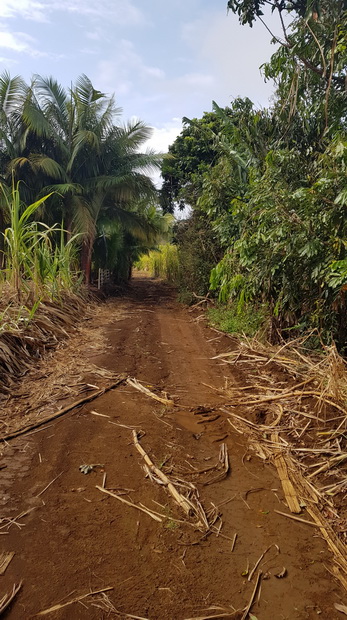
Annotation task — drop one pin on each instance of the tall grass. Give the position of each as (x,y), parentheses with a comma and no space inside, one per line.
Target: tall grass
(161,263)
(37,263)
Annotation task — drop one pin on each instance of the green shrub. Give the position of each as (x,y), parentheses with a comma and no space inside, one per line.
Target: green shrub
(250,320)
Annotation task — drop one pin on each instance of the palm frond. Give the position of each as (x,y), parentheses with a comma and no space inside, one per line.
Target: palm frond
(85,91)
(12,92)
(106,120)
(83,138)
(35,119)
(64,189)
(123,188)
(135,133)
(83,221)
(53,98)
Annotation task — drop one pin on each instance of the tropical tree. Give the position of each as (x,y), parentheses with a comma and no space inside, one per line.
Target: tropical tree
(90,163)
(310,65)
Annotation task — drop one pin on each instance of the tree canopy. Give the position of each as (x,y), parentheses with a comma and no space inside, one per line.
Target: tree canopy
(70,143)
(270,184)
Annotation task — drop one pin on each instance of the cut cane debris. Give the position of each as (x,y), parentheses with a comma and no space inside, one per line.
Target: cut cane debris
(260,559)
(49,484)
(305,451)
(65,410)
(7,522)
(282,470)
(189,506)
(147,511)
(233,543)
(138,386)
(285,514)
(7,599)
(5,559)
(342,608)
(223,465)
(105,604)
(77,599)
(227,614)
(282,573)
(102,415)
(252,599)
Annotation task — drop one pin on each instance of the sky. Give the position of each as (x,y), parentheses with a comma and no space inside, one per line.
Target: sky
(162,59)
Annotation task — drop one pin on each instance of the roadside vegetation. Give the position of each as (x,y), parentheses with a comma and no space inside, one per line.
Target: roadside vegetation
(161,262)
(268,187)
(75,197)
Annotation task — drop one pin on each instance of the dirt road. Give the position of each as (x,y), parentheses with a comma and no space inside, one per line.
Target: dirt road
(77,539)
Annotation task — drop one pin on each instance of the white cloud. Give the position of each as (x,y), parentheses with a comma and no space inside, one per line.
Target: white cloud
(18,42)
(165,135)
(28,9)
(160,141)
(125,69)
(124,12)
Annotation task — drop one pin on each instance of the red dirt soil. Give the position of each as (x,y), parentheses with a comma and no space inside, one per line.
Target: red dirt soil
(78,540)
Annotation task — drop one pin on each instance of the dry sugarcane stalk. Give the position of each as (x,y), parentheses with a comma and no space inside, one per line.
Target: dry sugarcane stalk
(279,416)
(138,386)
(293,393)
(5,559)
(227,614)
(65,410)
(8,598)
(233,542)
(49,484)
(331,463)
(285,514)
(260,559)
(124,501)
(238,417)
(9,522)
(45,612)
(186,505)
(282,470)
(342,608)
(249,606)
(223,461)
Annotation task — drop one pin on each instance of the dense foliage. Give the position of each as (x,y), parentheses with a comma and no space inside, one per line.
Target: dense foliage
(69,146)
(271,184)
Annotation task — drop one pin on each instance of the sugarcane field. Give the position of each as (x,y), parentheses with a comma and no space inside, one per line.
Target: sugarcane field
(173,310)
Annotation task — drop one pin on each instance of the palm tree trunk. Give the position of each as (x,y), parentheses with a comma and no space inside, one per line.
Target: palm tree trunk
(86,259)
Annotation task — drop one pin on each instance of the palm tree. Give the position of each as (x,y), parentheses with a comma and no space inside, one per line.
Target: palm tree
(121,241)
(92,164)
